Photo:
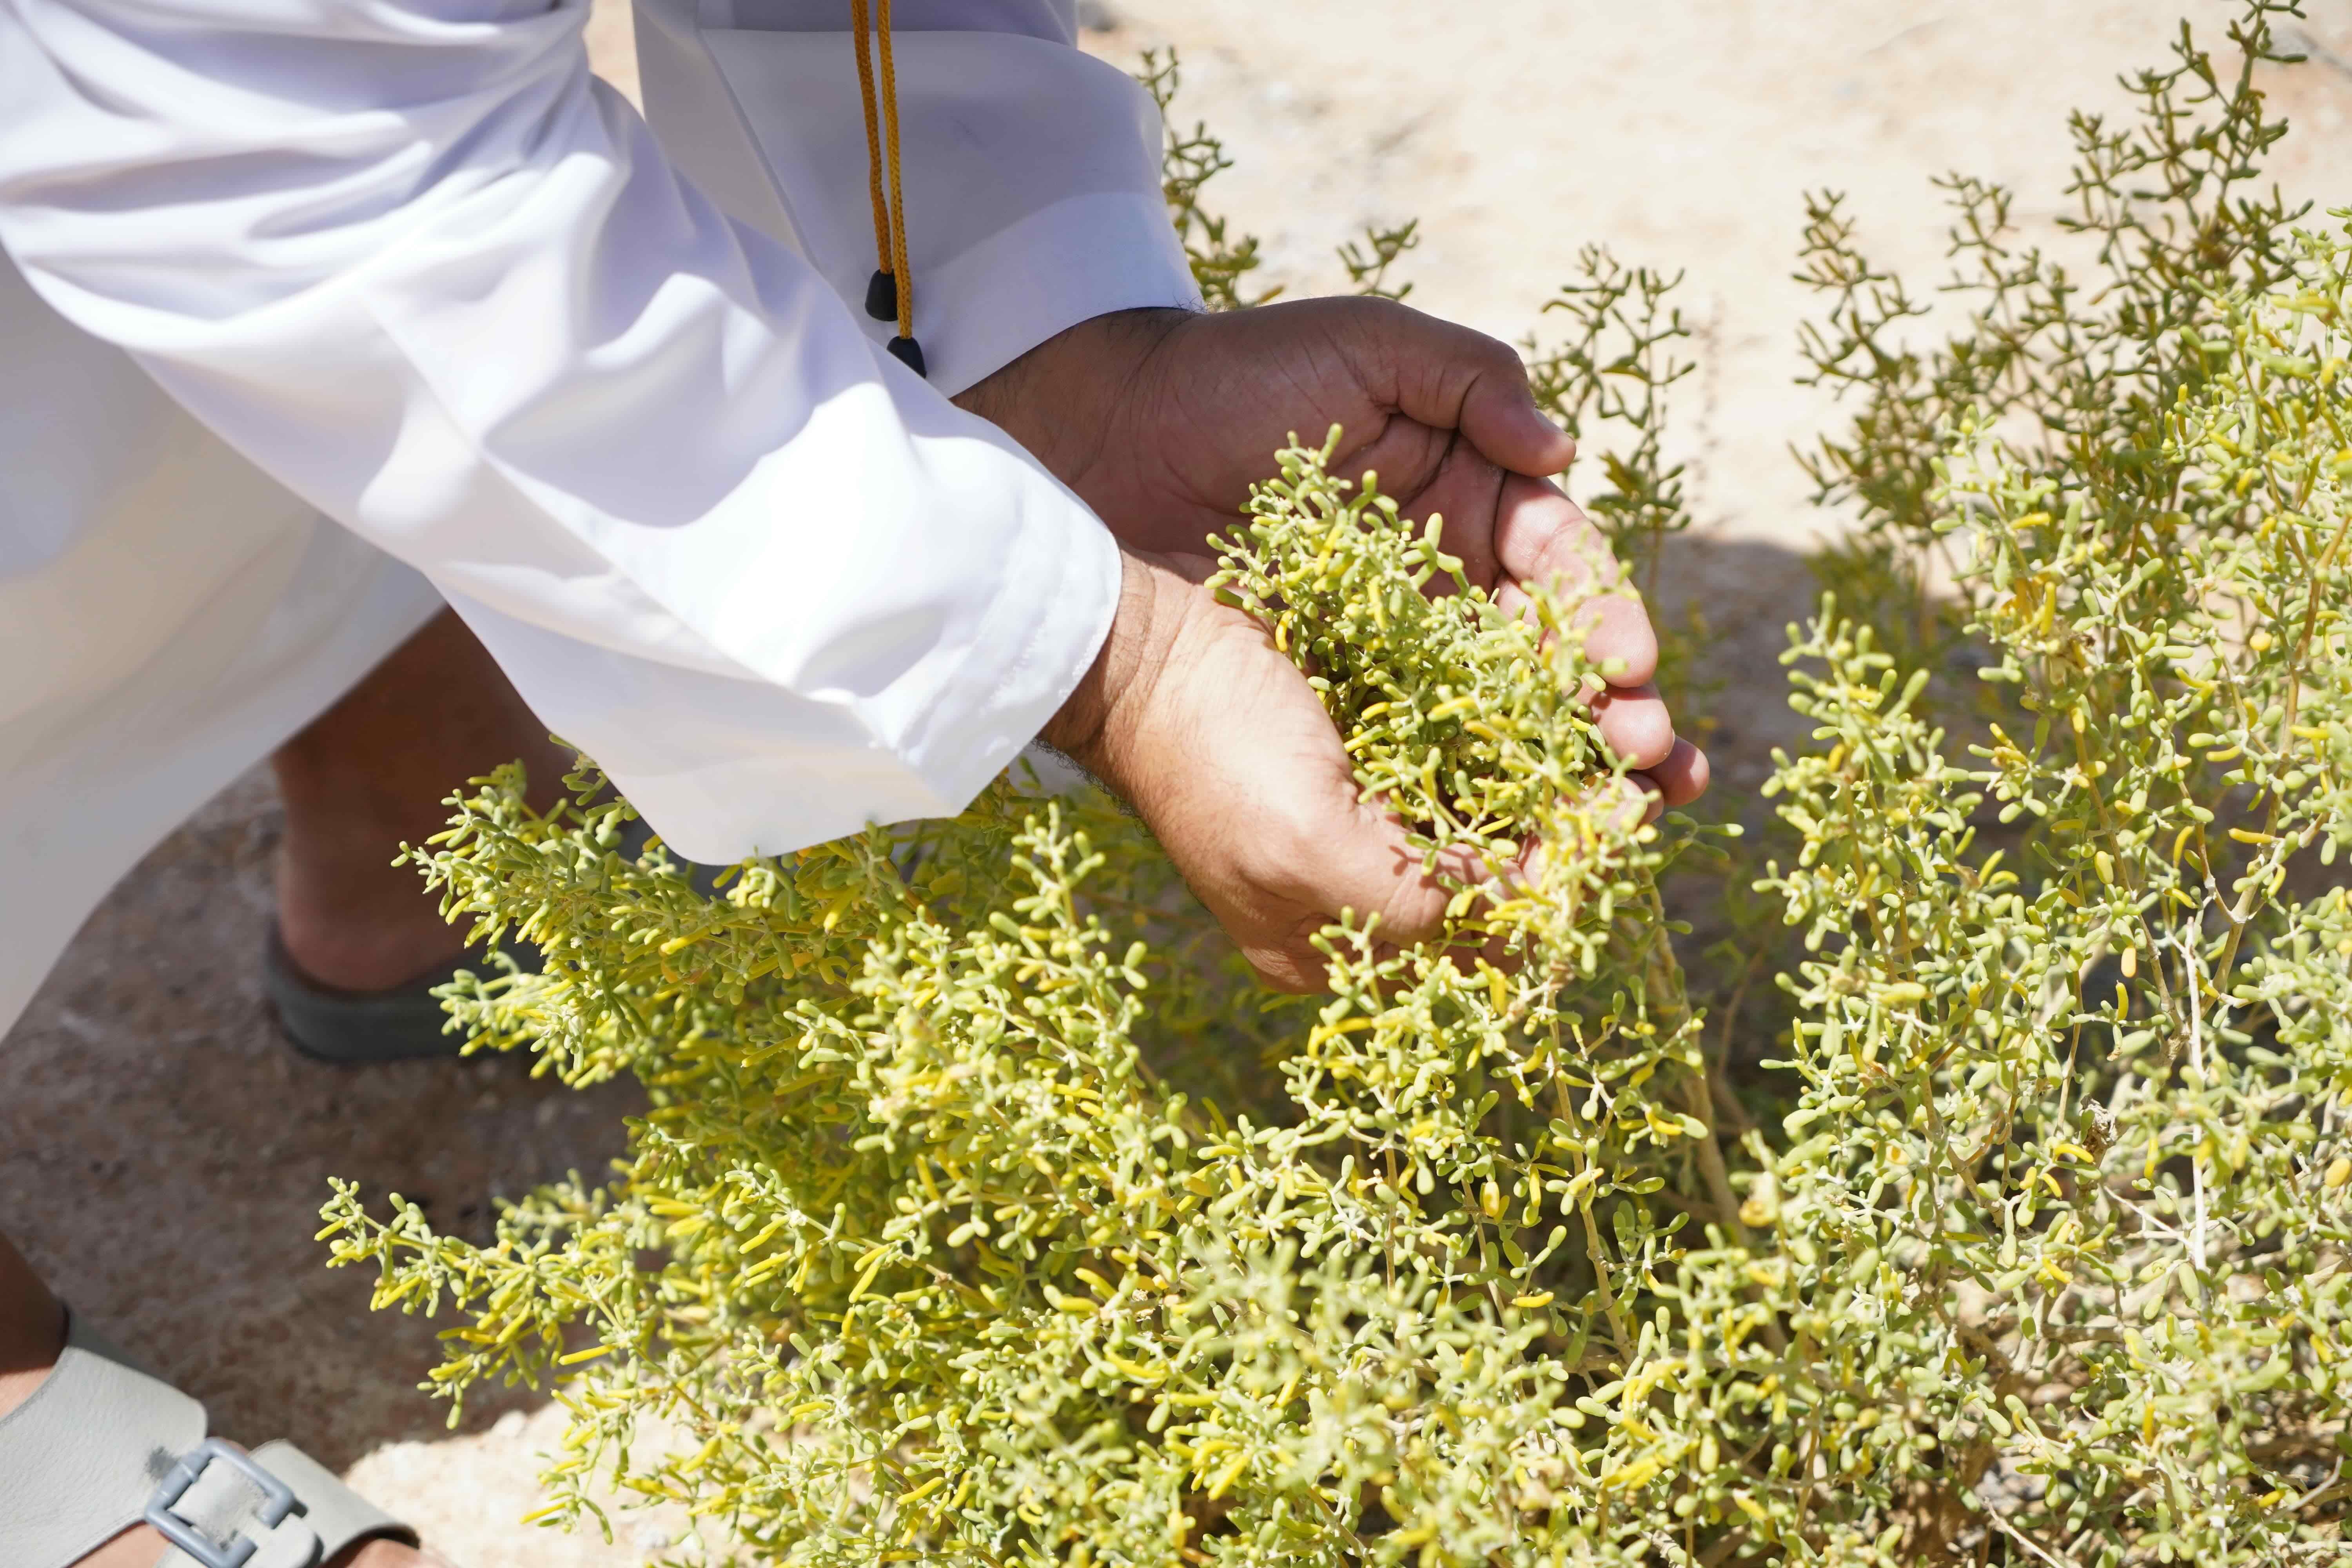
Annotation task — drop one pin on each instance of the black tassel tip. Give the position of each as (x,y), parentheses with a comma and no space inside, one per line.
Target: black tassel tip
(909,352)
(882,296)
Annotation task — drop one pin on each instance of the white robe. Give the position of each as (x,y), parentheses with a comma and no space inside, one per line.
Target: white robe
(405,265)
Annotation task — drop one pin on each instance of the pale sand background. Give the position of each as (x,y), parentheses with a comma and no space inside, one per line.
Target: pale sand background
(161,1153)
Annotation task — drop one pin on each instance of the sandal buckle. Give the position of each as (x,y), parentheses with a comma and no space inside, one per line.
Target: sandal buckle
(276,1502)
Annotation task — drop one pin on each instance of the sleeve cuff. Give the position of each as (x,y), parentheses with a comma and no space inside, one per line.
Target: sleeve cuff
(724,765)
(1081,258)
(1034,644)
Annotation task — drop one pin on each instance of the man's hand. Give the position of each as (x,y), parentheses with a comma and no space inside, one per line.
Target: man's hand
(1190,716)
(1161,420)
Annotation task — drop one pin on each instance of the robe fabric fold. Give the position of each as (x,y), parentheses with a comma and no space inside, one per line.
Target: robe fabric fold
(322,312)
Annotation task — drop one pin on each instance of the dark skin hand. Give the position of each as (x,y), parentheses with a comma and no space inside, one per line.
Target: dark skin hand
(1194,718)
(1160,421)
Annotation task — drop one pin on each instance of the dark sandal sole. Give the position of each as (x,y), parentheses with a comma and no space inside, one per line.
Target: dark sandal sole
(353,1028)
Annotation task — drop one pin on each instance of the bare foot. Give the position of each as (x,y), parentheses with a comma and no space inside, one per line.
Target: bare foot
(369,774)
(140,1546)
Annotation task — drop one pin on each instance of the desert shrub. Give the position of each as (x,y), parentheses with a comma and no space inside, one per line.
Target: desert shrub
(985,1213)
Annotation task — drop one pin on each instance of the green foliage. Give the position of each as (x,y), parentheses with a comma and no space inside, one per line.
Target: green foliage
(1368,265)
(1608,378)
(1188,162)
(1607,381)
(1190,159)
(951,1262)
(984,1213)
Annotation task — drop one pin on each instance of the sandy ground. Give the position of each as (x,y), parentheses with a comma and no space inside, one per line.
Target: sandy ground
(161,1153)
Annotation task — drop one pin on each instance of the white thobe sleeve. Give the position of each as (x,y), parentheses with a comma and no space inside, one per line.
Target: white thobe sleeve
(411,260)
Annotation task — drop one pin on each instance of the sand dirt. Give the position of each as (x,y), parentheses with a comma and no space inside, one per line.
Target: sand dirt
(163,1154)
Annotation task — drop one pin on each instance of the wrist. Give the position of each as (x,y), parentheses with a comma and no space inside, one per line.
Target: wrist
(1058,399)
(1094,725)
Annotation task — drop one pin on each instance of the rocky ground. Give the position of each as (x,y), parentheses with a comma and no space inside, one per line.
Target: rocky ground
(161,1153)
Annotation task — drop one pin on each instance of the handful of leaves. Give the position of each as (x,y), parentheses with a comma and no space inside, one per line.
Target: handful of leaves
(984,1213)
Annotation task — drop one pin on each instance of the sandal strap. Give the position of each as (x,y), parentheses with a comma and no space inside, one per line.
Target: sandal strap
(82,1455)
(103,1444)
(275,1508)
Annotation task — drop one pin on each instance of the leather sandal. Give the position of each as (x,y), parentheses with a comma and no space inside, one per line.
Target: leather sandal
(103,1445)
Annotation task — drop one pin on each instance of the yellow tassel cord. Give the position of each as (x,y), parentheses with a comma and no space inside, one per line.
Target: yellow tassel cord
(858,23)
(882,156)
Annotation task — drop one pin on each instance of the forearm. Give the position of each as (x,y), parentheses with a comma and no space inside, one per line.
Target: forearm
(1056,399)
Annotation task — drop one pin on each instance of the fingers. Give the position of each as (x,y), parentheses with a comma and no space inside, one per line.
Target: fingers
(1623,804)
(1457,483)
(1392,894)
(1512,531)
(1639,731)
(1452,378)
(1540,537)
(1683,776)
(1618,640)
(1371,869)
(1634,723)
